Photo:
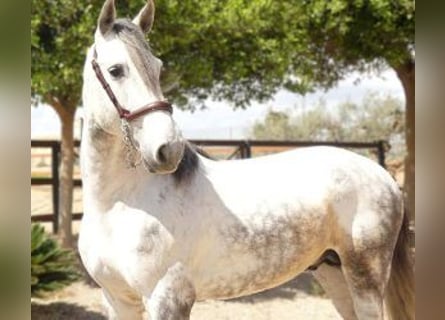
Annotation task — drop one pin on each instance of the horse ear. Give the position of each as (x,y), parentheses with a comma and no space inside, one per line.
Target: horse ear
(145,17)
(106,17)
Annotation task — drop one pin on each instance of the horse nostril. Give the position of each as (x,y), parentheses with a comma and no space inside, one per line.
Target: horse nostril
(162,153)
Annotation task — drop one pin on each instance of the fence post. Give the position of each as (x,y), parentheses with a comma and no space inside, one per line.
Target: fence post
(55,155)
(242,150)
(381,152)
(246,149)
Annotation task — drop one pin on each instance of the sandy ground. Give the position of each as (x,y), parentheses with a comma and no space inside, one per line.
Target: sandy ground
(289,301)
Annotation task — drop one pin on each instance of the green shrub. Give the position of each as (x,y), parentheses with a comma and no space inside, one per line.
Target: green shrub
(51,266)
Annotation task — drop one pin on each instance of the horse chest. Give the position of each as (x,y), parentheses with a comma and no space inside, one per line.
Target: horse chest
(124,248)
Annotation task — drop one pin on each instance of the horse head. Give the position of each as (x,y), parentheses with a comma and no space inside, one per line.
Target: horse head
(122,90)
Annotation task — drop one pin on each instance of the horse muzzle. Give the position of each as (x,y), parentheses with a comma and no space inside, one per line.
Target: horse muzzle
(166,158)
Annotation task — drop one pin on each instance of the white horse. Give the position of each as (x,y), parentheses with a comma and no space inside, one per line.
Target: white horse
(176,227)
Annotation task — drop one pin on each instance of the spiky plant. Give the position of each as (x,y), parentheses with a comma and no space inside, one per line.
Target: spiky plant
(52,267)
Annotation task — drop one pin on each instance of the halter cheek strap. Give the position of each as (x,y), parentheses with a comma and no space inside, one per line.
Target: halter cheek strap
(125,113)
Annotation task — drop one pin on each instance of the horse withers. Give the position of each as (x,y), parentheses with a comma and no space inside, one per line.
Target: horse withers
(164,227)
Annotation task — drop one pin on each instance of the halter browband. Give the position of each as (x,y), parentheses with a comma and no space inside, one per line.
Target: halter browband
(125,113)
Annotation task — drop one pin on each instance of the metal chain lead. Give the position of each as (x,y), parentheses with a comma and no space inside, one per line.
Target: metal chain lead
(130,146)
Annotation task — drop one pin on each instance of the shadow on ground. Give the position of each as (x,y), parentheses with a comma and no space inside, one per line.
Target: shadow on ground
(63,310)
(58,310)
(305,283)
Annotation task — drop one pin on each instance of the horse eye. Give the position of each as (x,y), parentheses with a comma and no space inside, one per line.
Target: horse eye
(116,71)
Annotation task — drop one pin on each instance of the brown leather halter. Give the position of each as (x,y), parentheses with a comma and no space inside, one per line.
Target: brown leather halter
(125,113)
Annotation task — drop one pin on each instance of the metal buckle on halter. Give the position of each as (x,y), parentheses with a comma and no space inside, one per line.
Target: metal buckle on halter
(130,146)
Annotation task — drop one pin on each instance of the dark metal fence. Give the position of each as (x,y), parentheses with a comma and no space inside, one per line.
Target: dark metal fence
(243,149)
(53,181)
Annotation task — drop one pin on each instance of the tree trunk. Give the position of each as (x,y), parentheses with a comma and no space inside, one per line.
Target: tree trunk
(66,179)
(406,73)
(66,114)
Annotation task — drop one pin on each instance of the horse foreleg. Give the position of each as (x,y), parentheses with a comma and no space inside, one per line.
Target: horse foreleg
(123,307)
(333,282)
(173,296)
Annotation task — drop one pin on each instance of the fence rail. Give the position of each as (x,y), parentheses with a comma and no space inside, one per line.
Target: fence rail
(243,149)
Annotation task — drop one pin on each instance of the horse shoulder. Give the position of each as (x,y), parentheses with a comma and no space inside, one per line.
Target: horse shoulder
(126,247)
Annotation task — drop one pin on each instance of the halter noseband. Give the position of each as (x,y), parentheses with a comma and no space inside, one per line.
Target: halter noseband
(125,113)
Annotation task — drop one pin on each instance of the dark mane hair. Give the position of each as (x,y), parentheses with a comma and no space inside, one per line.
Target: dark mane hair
(188,166)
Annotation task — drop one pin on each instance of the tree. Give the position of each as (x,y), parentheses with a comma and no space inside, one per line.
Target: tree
(376,117)
(233,50)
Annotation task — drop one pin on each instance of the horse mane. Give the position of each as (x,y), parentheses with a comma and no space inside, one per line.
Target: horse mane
(189,163)
(188,166)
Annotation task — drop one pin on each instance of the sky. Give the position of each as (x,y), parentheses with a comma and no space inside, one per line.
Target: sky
(220,121)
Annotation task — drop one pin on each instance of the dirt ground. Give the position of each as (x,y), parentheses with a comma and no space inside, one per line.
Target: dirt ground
(293,300)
